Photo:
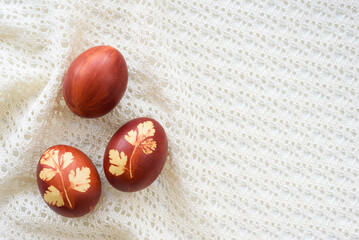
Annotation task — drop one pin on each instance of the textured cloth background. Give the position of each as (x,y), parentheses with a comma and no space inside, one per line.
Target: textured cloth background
(259,99)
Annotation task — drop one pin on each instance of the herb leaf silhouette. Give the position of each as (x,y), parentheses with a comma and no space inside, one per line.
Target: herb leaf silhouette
(53,196)
(80,180)
(54,164)
(118,162)
(139,138)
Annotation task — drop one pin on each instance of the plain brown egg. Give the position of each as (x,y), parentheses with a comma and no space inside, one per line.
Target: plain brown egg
(135,155)
(68,181)
(95,82)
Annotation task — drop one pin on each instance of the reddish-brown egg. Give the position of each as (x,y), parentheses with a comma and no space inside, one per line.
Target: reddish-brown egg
(135,155)
(95,82)
(68,181)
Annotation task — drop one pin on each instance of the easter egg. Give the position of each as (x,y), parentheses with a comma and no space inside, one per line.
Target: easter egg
(135,155)
(95,82)
(68,181)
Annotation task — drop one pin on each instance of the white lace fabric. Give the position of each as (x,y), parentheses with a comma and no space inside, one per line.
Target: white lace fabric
(259,100)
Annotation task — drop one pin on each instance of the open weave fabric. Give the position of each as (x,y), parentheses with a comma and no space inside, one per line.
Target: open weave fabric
(259,99)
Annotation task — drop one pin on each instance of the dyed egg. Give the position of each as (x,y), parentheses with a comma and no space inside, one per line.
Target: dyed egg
(95,82)
(135,155)
(68,181)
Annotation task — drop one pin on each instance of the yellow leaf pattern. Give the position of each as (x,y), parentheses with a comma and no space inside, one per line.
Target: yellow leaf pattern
(139,139)
(80,181)
(47,174)
(49,158)
(145,129)
(148,146)
(131,137)
(117,162)
(53,196)
(66,159)
(53,164)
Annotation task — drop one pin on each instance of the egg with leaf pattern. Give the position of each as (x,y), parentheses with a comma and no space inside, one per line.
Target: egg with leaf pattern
(135,155)
(68,181)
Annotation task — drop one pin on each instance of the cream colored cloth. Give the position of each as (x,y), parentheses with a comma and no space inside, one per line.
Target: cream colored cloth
(259,99)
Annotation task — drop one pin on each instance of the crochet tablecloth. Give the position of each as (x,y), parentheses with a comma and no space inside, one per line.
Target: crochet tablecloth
(259,99)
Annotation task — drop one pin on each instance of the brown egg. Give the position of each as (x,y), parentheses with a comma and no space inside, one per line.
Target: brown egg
(135,155)
(95,82)
(68,181)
